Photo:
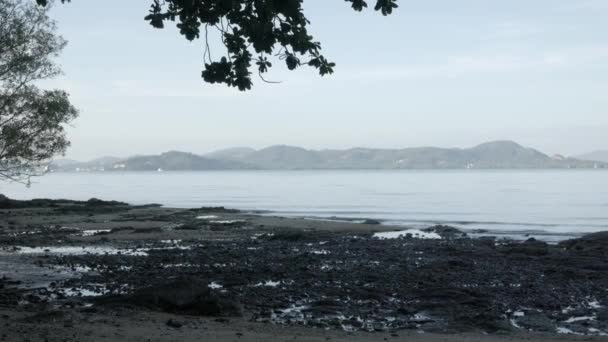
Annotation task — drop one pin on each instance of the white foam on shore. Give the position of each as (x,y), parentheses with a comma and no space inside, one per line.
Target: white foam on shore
(215,286)
(294,313)
(79,250)
(171,241)
(590,331)
(568,309)
(269,283)
(84,292)
(206,217)
(227,221)
(294,309)
(562,330)
(93,232)
(416,233)
(178,265)
(578,319)
(597,332)
(320,252)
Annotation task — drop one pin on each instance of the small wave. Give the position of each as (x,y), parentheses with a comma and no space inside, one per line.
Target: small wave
(332,212)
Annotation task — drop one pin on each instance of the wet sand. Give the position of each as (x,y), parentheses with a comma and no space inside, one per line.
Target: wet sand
(125,325)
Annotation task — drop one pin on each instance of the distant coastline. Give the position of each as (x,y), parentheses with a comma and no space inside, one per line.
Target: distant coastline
(491,155)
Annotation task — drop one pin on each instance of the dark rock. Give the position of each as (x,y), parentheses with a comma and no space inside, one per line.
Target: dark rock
(602,314)
(5,202)
(530,247)
(451,296)
(121,229)
(406,311)
(224,210)
(93,202)
(297,235)
(324,307)
(186,296)
(480,231)
(292,235)
(174,323)
(371,221)
(444,231)
(590,243)
(188,226)
(46,316)
(150,205)
(536,321)
(235,280)
(148,230)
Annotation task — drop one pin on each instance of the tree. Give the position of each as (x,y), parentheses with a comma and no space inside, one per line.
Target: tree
(31,119)
(266,28)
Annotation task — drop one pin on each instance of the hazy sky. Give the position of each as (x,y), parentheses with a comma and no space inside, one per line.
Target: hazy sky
(444,73)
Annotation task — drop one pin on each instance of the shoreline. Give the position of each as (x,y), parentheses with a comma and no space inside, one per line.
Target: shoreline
(517,235)
(510,230)
(90,263)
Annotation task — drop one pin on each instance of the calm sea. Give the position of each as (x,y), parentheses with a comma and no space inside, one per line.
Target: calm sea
(559,201)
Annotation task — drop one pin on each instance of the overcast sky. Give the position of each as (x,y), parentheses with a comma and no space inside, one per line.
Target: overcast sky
(444,73)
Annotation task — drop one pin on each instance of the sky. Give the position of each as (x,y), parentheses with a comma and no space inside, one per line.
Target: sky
(435,73)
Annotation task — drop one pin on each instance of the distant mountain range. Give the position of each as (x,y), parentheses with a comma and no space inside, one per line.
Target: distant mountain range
(170,161)
(491,155)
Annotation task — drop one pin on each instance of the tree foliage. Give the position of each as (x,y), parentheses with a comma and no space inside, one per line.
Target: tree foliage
(253,31)
(31,119)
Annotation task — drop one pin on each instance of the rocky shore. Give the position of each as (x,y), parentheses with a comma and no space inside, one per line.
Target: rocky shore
(104,270)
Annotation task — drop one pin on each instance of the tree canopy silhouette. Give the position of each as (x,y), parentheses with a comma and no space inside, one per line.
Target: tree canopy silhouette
(31,120)
(253,31)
